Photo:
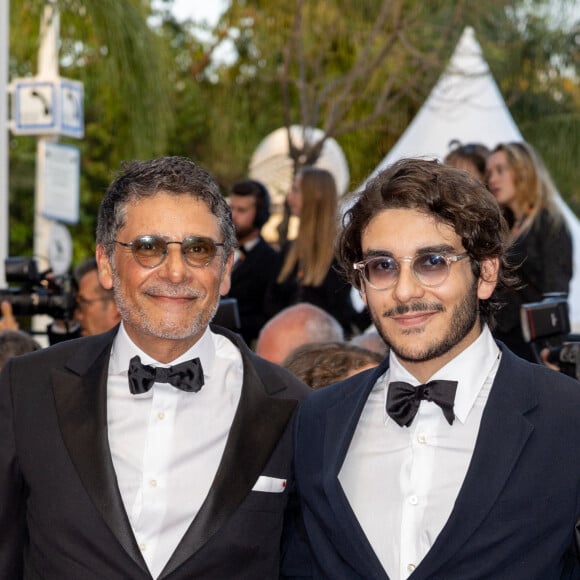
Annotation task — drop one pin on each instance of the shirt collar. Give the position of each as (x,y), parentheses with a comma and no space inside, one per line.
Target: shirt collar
(471,369)
(249,246)
(124,349)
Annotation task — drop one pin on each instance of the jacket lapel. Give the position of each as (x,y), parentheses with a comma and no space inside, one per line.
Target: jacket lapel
(80,392)
(251,441)
(341,421)
(502,437)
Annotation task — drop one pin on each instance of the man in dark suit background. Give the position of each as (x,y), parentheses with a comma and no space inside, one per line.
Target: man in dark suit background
(162,448)
(255,261)
(454,459)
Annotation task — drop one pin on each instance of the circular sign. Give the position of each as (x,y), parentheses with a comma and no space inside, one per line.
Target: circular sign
(59,249)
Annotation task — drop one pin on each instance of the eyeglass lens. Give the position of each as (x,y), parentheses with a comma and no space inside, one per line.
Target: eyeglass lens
(429,269)
(150,251)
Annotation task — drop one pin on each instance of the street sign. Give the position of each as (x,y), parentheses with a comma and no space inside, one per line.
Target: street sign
(71,108)
(47,107)
(60,167)
(33,107)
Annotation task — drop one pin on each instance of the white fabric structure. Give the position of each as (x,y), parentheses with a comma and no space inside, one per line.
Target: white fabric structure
(466,105)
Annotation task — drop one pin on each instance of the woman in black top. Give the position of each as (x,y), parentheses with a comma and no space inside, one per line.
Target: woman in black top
(308,270)
(541,242)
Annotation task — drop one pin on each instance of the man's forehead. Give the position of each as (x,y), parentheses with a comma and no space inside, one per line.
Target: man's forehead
(408,230)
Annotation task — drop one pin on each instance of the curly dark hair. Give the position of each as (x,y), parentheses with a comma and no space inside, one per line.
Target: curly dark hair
(452,197)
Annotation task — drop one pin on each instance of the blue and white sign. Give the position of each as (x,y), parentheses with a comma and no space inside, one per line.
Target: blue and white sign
(60,167)
(72,123)
(48,107)
(33,107)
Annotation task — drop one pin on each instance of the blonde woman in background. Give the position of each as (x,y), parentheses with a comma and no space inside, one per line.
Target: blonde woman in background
(308,270)
(541,242)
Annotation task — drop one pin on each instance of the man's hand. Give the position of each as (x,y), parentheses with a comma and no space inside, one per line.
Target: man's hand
(7,322)
(544,354)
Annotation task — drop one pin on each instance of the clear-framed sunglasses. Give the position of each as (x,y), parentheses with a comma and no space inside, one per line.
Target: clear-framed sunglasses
(151,251)
(430,269)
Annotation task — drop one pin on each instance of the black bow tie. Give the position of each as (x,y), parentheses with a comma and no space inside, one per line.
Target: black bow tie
(187,376)
(403,399)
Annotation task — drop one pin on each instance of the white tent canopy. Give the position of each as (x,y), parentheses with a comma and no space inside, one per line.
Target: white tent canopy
(466,105)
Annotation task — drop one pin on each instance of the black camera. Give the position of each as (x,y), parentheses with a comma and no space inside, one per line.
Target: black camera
(31,292)
(546,318)
(546,324)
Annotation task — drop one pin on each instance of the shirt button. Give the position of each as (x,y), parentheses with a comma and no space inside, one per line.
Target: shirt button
(161,415)
(422,438)
(153,483)
(411,567)
(413,500)
(142,547)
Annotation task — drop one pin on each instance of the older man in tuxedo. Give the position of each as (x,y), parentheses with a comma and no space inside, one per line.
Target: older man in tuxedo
(162,448)
(454,459)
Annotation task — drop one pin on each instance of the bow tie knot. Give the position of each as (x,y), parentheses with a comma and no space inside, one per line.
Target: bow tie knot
(186,376)
(403,399)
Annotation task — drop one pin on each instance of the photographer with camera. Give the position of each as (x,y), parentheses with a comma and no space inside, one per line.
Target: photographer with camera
(79,305)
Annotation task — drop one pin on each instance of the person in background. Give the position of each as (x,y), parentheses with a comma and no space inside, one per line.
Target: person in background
(454,458)
(320,364)
(14,343)
(255,262)
(471,157)
(294,326)
(371,340)
(97,311)
(541,243)
(308,270)
(163,447)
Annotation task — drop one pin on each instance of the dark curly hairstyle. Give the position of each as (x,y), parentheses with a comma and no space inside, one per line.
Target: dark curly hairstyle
(452,197)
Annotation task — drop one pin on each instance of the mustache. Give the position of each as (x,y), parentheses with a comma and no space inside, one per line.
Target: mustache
(179,291)
(401,309)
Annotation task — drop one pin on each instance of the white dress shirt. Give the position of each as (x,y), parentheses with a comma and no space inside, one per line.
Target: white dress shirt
(402,482)
(166,444)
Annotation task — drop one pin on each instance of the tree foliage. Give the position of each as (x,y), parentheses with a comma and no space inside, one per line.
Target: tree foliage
(358,69)
(110,47)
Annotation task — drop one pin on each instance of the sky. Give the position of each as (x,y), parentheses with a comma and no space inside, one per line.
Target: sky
(209,10)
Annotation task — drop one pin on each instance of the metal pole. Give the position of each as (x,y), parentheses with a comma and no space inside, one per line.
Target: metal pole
(4,197)
(48,69)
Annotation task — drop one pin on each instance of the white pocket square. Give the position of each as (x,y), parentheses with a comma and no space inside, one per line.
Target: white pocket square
(269,484)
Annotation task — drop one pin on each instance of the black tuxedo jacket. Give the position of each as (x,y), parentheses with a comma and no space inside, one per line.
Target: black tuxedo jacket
(61,512)
(251,278)
(515,515)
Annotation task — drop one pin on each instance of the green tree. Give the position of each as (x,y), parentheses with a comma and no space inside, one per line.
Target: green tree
(111,47)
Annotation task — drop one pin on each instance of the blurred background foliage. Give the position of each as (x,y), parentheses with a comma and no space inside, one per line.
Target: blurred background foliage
(359,69)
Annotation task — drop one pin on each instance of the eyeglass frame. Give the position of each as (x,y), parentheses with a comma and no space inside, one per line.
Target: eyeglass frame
(360,267)
(130,245)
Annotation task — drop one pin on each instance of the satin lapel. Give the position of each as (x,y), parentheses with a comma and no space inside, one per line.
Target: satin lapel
(80,394)
(258,425)
(341,421)
(503,434)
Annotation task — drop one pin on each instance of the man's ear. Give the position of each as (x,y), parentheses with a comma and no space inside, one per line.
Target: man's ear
(488,275)
(363,293)
(105,268)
